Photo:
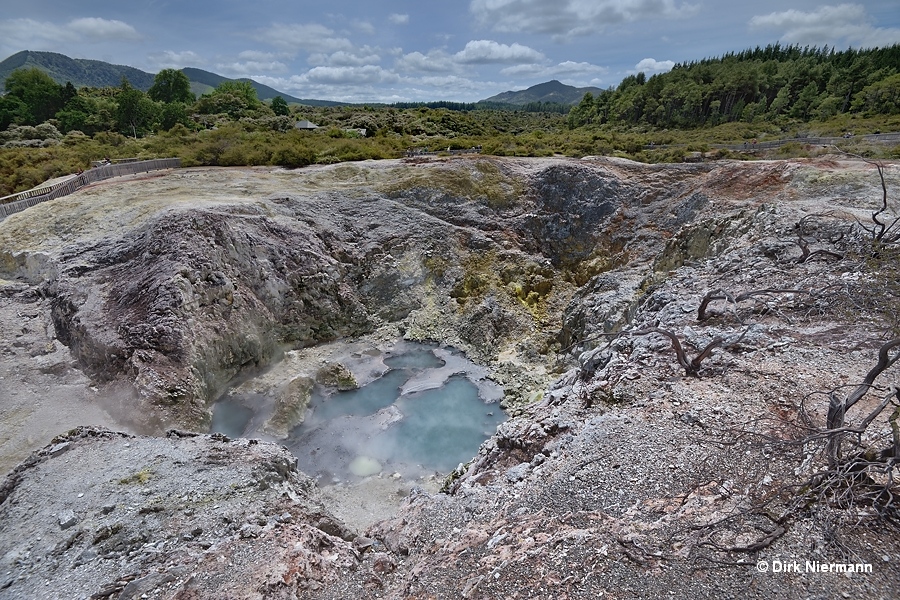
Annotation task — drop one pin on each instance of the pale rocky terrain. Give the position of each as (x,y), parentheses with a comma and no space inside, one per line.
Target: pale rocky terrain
(131,305)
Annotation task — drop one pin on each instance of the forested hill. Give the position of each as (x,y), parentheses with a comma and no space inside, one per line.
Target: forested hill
(96,73)
(549,92)
(80,71)
(775,82)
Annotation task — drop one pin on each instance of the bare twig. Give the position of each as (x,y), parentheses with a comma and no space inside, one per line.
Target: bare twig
(691,367)
(723,295)
(837,408)
(881,231)
(807,255)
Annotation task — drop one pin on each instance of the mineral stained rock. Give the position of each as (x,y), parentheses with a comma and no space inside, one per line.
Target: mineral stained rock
(177,284)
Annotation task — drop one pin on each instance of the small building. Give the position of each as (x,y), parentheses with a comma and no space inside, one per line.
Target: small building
(304,124)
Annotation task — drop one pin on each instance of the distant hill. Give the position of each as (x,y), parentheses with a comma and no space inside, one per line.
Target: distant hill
(203,82)
(95,73)
(81,72)
(552,91)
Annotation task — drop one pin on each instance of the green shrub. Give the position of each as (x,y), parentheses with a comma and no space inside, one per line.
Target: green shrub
(110,138)
(74,138)
(293,156)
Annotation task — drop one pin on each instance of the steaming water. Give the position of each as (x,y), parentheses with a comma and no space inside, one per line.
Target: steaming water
(414,420)
(230,417)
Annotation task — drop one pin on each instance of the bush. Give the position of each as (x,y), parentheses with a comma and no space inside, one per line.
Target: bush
(24,136)
(110,138)
(793,149)
(75,137)
(268,123)
(293,156)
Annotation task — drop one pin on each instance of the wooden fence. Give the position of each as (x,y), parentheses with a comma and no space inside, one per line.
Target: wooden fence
(22,200)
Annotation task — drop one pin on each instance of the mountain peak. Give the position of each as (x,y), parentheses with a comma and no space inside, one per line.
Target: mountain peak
(550,91)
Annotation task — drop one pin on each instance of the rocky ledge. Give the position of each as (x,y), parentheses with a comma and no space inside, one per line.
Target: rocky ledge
(680,344)
(164,516)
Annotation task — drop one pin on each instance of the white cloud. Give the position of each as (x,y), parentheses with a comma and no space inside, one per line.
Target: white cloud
(282,84)
(488,51)
(259,55)
(398,19)
(20,34)
(311,37)
(370,74)
(342,58)
(567,69)
(831,17)
(476,52)
(571,17)
(249,63)
(579,67)
(372,86)
(95,29)
(169,59)
(436,61)
(834,25)
(651,66)
(449,82)
(251,68)
(363,27)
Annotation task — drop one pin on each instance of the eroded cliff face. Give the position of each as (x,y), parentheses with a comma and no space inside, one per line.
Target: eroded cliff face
(625,476)
(190,299)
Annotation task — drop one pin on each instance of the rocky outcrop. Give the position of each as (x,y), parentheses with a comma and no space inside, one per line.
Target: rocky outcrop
(290,407)
(338,376)
(196,300)
(162,516)
(571,207)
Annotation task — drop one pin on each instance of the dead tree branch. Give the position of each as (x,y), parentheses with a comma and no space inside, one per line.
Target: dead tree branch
(881,230)
(806,254)
(895,428)
(691,367)
(734,300)
(837,408)
(809,224)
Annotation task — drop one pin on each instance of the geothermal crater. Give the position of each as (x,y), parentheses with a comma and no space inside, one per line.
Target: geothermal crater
(290,297)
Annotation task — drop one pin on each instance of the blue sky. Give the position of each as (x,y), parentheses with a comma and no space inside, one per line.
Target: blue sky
(399,50)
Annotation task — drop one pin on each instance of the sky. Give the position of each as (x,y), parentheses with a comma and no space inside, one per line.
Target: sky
(400,50)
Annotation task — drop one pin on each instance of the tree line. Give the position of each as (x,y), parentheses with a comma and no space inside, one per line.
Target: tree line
(533,107)
(775,82)
(772,84)
(33,97)
(48,130)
